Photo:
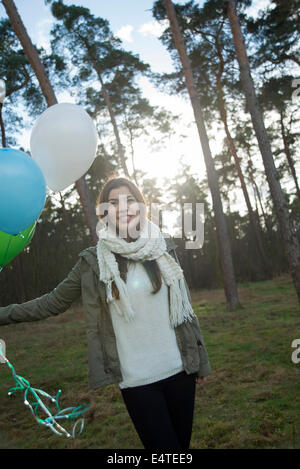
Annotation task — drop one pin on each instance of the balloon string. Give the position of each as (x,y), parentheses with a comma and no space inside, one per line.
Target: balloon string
(51,420)
(32,229)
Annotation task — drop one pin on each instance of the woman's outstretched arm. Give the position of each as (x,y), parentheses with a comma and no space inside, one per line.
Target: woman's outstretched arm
(50,304)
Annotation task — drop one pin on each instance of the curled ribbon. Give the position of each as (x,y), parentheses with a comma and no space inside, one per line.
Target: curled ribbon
(51,420)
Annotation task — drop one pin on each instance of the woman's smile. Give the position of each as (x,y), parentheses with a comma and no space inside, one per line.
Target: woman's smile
(125,218)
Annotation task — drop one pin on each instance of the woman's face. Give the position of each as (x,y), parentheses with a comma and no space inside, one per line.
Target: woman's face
(123,212)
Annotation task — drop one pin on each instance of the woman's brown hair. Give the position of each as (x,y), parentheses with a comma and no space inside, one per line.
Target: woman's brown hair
(152,269)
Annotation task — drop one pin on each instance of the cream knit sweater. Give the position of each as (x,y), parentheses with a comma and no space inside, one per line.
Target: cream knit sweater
(147,346)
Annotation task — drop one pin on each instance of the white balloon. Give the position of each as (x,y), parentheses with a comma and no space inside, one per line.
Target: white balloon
(2,91)
(63,143)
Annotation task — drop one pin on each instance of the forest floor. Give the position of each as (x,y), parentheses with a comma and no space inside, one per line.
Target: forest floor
(250,400)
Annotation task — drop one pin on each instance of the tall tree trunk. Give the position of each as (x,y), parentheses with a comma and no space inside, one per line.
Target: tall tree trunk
(230,287)
(288,154)
(48,92)
(258,195)
(256,190)
(107,101)
(115,127)
(108,104)
(288,233)
(131,150)
(232,148)
(30,51)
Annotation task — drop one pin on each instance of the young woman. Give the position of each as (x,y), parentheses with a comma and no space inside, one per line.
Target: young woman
(142,332)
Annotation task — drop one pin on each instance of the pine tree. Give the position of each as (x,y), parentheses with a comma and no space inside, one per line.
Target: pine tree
(289,235)
(222,233)
(48,92)
(95,54)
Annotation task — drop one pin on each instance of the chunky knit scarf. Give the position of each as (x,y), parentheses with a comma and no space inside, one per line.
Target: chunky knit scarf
(148,246)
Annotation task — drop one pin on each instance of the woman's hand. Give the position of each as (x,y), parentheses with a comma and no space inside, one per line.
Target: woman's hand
(201,380)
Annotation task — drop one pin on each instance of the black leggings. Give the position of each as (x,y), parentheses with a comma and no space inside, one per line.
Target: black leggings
(162,412)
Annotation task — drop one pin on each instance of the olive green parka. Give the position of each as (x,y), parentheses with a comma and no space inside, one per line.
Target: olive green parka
(103,360)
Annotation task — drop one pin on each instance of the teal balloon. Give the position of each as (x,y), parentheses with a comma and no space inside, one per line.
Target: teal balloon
(22,191)
(11,246)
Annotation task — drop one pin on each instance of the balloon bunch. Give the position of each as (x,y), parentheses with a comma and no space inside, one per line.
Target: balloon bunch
(63,146)
(22,198)
(51,420)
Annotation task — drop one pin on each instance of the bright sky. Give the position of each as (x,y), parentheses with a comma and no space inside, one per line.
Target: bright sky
(132,21)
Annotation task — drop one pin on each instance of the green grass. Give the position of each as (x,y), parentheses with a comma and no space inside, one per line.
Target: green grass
(250,400)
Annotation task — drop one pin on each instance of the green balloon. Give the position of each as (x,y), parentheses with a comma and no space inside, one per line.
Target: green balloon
(12,245)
